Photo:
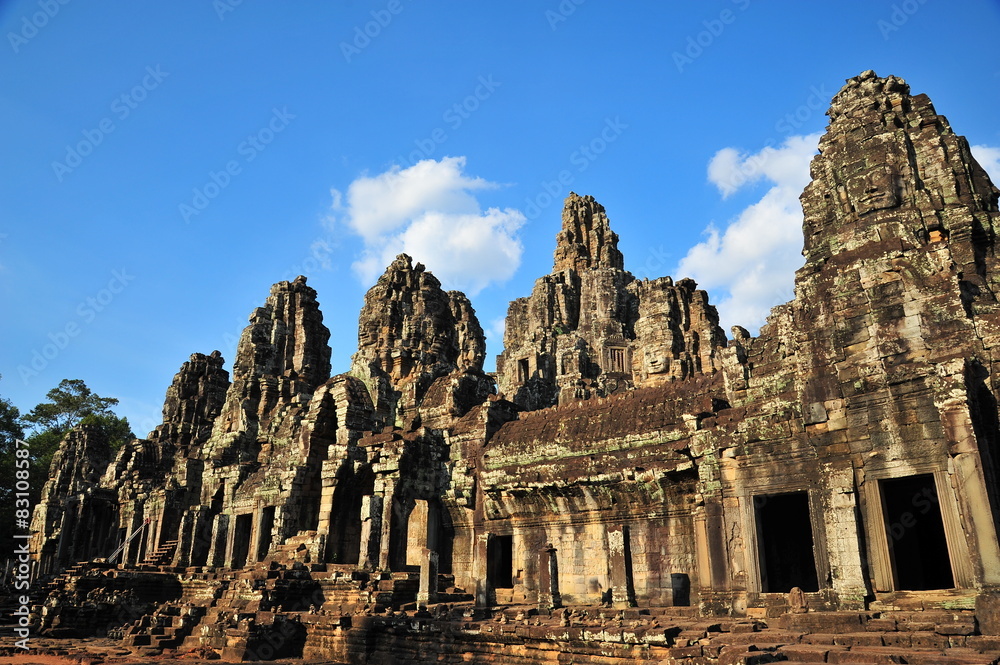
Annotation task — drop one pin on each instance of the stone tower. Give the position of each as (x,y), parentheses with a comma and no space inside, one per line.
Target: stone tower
(590,328)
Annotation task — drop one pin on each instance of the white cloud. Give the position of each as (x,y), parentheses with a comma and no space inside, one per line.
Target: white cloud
(729,170)
(989,158)
(429,212)
(724,171)
(751,264)
(495,330)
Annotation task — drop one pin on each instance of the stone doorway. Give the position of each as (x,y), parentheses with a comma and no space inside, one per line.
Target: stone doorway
(500,562)
(918,548)
(241,539)
(785,543)
(265,533)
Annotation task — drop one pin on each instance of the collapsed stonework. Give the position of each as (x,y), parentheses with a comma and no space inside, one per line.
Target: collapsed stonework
(627,461)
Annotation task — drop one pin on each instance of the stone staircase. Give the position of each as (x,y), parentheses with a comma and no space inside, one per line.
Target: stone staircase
(161,556)
(42,588)
(166,628)
(270,610)
(239,613)
(449,593)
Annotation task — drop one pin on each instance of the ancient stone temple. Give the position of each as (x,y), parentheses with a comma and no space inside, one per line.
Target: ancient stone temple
(630,485)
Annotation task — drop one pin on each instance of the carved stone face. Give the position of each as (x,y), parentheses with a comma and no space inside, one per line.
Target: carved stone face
(570,364)
(367,336)
(873,190)
(655,361)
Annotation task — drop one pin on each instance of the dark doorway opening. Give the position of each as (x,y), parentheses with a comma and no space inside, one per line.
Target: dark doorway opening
(203,524)
(522,370)
(446,539)
(629,575)
(104,518)
(266,532)
(680,584)
(785,543)
(500,562)
(915,532)
(241,539)
(348,497)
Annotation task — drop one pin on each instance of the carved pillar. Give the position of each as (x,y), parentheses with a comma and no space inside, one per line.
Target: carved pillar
(386,537)
(416,533)
(220,539)
(843,541)
(484,588)
(427,592)
(65,536)
(972,537)
(371,531)
(620,567)
(329,480)
(548,579)
(718,554)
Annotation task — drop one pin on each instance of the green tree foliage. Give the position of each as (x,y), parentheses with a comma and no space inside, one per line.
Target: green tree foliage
(68,405)
(10,431)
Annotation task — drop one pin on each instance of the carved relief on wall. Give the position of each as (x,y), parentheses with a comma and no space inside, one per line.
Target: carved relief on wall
(874,189)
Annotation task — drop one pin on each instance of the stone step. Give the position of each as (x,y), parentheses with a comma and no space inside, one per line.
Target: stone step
(759,639)
(881,655)
(916,640)
(740,656)
(808,653)
(845,639)
(824,622)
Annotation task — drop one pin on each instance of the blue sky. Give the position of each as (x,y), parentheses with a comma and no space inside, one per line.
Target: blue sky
(165,163)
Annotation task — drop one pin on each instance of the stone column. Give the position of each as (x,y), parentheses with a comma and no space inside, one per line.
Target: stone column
(427,592)
(480,570)
(843,541)
(371,531)
(718,554)
(416,533)
(387,490)
(548,579)
(220,540)
(620,567)
(329,485)
(65,537)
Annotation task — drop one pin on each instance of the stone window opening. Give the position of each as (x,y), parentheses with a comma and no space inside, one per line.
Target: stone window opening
(937,234)
(785,543)
(918,548)
(616,359)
